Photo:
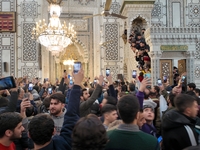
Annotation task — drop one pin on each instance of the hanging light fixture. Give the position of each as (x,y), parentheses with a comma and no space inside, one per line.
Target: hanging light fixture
(54,36)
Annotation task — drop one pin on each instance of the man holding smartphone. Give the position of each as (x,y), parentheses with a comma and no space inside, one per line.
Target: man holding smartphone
(86,101)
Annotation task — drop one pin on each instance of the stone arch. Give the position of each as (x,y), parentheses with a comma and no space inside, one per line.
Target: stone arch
(139,22)
(82,50)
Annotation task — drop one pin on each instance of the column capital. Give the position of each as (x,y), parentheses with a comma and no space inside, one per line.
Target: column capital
(155,54)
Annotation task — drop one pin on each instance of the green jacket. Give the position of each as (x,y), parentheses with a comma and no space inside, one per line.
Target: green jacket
(131,140)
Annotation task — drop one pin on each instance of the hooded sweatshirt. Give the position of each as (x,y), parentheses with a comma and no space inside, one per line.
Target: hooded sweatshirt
(58,121)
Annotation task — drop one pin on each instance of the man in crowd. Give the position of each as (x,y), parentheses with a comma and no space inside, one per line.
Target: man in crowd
(87,101)
(41,127)
(128,135)
(110,114)
(57,110)
(191,87)
(10,129)
(178,124)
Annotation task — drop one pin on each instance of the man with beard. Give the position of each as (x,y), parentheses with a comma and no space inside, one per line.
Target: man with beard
(57,110)
(11,129)
(86,101)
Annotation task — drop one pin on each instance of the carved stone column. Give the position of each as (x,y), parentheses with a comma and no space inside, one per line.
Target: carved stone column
(155,66)
(190,65)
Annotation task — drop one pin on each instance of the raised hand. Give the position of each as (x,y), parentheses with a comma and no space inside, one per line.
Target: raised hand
(78,78)
(145,82)
(109,78)
(101,79)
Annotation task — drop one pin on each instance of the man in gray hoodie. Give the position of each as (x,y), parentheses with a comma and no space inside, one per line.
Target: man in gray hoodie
(57,111)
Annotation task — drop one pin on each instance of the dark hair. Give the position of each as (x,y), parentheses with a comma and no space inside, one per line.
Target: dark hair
(183,101)
(30,111)
(89,134)
(4,102)
(46,102)
(132,87)
(82,91)
(157,89)
(107,108)
(58,96)
(171,98)
(192,85)
(9,121)
(41,128)
(197,90)
(128,107)
(111,100)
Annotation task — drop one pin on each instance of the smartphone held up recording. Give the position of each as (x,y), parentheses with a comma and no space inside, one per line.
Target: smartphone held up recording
(183,79)
(134,73)
(50,90)
(77,67)
(30,87)
(159,82)
(107,72)
(7,83)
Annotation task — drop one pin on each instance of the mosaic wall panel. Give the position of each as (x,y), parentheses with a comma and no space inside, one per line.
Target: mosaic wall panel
(8,46)
(115,8)
(29,10)
(29,45)
(30,71)
(197,54)
(197,71)
(12,4)
(112,37)
(114,70)
(86,3)
(194,11)
(157,10)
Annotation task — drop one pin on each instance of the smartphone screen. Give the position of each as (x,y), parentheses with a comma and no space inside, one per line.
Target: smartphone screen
(77,67)
(7,83)
(50,90)
(95,80)
(30,87)
(183,79)
(70,78)
(71,82)
(134,73)
(107,72)
(159,82)
(165,79)
(159,139)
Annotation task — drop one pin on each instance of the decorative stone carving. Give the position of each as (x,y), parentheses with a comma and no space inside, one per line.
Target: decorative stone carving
(157,10)
(29,9)
(79,24)
(115,8)
(31,72)
(197,71)
(112,35)
(8,46)
(197,54)
(194,10)
(29,45)
(12,4)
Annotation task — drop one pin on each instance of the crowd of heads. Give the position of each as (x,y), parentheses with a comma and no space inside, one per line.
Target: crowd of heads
(104,106)
(141,49)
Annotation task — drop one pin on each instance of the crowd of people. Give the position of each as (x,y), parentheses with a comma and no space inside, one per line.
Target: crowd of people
(140,48)
(99,114)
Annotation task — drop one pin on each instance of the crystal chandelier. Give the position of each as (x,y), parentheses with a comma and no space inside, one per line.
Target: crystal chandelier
(54,36)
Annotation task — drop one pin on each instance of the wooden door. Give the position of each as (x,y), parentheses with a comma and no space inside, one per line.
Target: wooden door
(166,69)
(181,66)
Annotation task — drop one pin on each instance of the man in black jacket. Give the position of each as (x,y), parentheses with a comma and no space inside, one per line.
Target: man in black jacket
(178,124)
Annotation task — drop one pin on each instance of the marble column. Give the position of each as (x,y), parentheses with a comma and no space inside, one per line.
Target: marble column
(155,66)
(190,65)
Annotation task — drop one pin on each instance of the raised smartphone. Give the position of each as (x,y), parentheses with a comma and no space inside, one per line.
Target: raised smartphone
(77,67)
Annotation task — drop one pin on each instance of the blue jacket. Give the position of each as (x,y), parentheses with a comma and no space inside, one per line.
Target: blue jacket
(64,140)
